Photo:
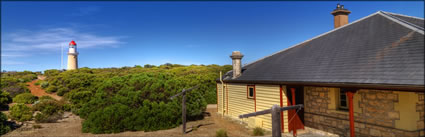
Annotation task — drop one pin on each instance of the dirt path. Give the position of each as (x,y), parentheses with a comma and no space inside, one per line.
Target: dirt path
(71,126)
(36,90)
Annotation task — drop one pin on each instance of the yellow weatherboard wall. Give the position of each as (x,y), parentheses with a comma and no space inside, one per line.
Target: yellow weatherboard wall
(407,107)
(238,103)
(220,98)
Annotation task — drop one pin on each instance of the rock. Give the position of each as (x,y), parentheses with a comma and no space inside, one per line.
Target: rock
(375,132)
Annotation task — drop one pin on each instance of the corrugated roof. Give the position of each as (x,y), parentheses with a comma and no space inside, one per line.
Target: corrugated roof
(377,49)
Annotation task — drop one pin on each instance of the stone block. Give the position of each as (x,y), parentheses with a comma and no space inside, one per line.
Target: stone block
(388,134)
(322,94)
(364,131)
(375,132)
(394,115)
(314,93)
(370,96)
(420,124)
(419,108)
(393,97)
(381,96)
(421,97)
(359,125)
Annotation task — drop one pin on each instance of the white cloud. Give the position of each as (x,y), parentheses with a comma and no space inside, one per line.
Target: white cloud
(14,54)
(21,44)
(53,39)
(11,62)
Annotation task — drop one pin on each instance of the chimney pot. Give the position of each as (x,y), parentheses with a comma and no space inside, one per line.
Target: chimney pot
(236,63)
(340,16)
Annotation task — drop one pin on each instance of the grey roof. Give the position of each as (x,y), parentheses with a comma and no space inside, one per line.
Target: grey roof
(414,20)
(382,48)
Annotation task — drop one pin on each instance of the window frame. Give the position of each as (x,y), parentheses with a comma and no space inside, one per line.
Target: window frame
(340,107)
(247,91)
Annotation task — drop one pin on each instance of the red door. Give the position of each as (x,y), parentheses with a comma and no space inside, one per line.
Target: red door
(295,95)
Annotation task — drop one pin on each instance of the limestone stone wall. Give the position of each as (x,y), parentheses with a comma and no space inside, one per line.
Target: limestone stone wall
(376,112)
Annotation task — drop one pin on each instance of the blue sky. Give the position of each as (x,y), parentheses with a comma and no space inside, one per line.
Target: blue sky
(116,34)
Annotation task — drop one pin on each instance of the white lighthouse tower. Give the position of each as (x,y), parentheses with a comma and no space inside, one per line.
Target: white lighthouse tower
(72,56)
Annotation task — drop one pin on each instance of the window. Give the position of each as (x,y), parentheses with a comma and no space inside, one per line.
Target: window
(250,91)
(343,101)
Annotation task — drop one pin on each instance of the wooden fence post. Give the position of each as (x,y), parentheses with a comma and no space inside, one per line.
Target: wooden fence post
(184,112)
(276,130)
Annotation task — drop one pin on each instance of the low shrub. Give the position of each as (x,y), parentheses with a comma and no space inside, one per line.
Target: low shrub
(67,107)
(221,133)
(16,89)
(48,107)
(46,98)
(38,82)
(61,91)
(51,89)
(20,112)
(26,98)
(4,99)
(44,84)
(44,118)
(258,131)
(4,127)
(36,126)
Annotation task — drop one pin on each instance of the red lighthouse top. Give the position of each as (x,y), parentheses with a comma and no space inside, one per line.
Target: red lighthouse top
(73,43)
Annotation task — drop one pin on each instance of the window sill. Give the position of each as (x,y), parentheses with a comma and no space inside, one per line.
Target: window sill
(339,111)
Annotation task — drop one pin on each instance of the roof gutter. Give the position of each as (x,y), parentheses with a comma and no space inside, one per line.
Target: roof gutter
(414,88)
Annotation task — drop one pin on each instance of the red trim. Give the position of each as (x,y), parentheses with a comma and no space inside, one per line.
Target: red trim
(281,113)
(255,99)
(351,112)
(293,103)
(288,103)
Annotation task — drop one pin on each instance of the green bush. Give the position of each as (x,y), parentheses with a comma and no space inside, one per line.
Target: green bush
(26,98)
(61,91)
(16,89)
(38,82)
(46,98)
(4,127)
(20,112)
(139,95)
(44,84)
(51,89)
(48,107)
(258,131)
(44,118)
(221,133)
(4,99)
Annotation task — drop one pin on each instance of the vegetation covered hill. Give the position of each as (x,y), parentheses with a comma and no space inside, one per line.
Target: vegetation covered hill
(133,98)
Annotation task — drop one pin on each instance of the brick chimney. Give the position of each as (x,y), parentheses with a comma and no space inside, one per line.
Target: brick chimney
(236,63)
(340,16)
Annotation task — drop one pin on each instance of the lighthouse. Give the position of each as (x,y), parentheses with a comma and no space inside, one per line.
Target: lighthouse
(72,56)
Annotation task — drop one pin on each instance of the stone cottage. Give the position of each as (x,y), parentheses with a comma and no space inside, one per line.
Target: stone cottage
(364,78)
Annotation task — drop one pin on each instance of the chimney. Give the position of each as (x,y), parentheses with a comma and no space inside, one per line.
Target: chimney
(236,63)
(340,16)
